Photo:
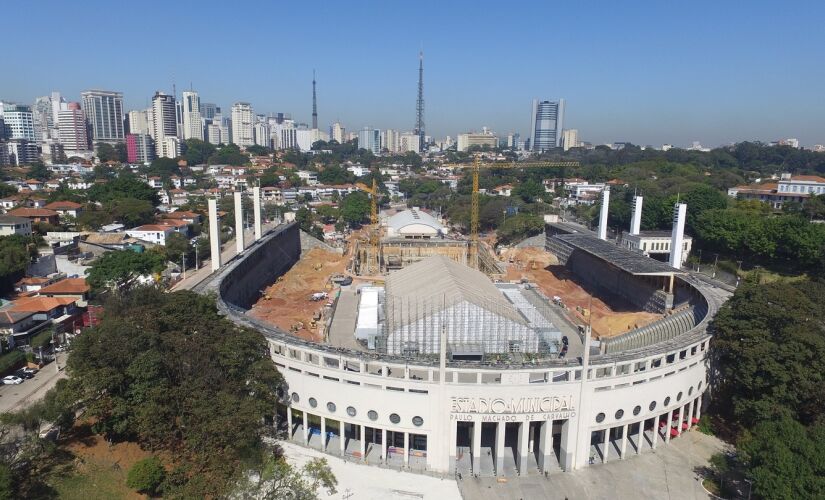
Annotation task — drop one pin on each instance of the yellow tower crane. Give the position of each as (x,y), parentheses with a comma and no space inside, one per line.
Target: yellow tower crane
(374,261)
(477,166)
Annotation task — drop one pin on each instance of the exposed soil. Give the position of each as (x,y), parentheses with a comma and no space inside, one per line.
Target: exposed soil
(540,267)
(287,303)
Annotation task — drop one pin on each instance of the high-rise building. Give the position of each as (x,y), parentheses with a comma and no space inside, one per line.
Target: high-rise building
(213,134)
(22,151)
(104,114)
(164,124)
(140,148)
(409,142)
(139,122)
(338,133)
(44,121)
(72,130)
(18,122)
(178,117)
(370,139)
(262,133)
(192,125)
(390,140)
(546,125)
(209,110)
(304,138)
(485,138)
(243,119)
(570,138)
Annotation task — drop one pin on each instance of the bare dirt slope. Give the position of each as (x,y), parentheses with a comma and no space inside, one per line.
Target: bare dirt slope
(287,302)
(541,267)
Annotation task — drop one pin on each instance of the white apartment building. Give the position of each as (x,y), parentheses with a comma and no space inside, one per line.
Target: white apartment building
(192,125)
(485,138)
(72,130)
(391,140)
(18,121)
(304,139)
(243,119)
(104,113)
(570,138)
(139,122)
(409,142)
(338,133)
(262,134)
(164,125)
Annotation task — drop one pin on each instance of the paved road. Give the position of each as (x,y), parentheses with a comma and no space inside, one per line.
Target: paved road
(17,397)
(667,473)
(229,251)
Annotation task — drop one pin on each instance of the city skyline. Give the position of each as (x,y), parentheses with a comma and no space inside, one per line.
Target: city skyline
(711,74)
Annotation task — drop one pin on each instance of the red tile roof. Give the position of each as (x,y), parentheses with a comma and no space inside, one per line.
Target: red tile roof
(75,286)
(63,205)
(33,212)
(39,304)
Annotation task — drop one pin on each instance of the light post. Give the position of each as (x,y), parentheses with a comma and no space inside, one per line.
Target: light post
(54,350)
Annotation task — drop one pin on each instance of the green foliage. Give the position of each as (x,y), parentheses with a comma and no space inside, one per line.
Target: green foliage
(163,167)
(119,270)
(335,175)
(39,171)
(42,339)
(784,459)
(197,152)
(7,190)
(177,245)
(106,152)
(146,476)
(6,483)
(122,154)
(529,190)
(129,211)
(257,150)
(168,372)
(770,352)
(11,360)
(520,226)
(355,208)
(229,154)
(125,186)
(16,251)
(279,480)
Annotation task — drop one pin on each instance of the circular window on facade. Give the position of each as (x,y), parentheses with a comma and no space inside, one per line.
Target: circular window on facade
(619,414)
(667,400)
(351,411)
(637,410)
(312,402)
(690,391)
(600,418)
(372,414)
(394,418)
(331,407)
(295,397)
(652,405)
(418,421)
(679,396)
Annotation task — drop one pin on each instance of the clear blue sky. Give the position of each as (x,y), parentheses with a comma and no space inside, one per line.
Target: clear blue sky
(645,72)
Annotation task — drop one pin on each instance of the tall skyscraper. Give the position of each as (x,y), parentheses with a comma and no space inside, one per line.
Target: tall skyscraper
(44,120)
(243,120)
(314,104)
(390,140)
(164,124)
(419,104)
(72,130)
(262,133)
(192,125)
(570,138)
(18,122)
(178,116)
(104,114)
(370,139)
(547,123)
(338,133)
(139,148)
(209,110)
(139,122)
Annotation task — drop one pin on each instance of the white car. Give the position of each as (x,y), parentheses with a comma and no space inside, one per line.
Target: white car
(12,380)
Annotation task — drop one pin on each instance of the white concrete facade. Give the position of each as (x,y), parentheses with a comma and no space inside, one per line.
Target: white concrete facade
(436,408)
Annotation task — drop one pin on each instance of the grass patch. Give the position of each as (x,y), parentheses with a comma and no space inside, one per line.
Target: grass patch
(93,481)
(712,486)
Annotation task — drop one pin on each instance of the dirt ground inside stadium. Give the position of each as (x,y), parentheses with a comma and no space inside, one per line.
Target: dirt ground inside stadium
(287,304)
(541,267)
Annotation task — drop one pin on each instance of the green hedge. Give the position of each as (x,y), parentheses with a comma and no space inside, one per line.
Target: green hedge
(10,360)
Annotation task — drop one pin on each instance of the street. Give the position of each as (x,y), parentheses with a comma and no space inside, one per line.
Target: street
(17,397)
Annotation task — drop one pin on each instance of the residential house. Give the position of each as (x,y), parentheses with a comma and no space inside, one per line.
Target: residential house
(10,225)
(36,215)
(75,288)
(155,182)
(179,226)
(66,208)
(153,233)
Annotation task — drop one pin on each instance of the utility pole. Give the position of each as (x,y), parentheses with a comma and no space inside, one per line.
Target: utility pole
(183,265)
(715,262)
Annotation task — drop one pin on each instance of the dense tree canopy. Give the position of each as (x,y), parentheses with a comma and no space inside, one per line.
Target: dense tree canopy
(16,252)
(166,371)
(197,152)
(120,270)
(124,186)
(355,208)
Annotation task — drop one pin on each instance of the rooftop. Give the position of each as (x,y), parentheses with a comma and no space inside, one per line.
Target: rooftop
(33,212)
(626,260)
(413,216)
(10,219)
(76,286)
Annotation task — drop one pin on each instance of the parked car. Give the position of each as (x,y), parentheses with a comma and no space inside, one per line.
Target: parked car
(30,371)
(22,373)
(12,380)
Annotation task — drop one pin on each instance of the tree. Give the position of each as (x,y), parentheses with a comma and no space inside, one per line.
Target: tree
(700,199)
(121,153)
(520,226)
(16,252)
(167,371)
(198,151)
(120,270)
(164,167)
(7,190)
(229,154)
(277,480)
(257,150)
(177,245)
(105,152)
(355,208)
(39,171)
(784,459)
(124,186)
(146,476)
(130,211)
(529,190)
